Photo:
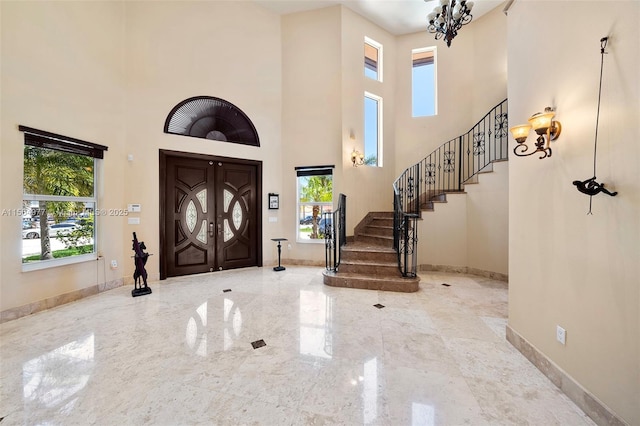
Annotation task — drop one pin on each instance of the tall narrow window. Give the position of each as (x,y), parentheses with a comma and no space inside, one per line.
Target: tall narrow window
(372,59)
(59,198)
(423,82)
(372,130)
(315,196)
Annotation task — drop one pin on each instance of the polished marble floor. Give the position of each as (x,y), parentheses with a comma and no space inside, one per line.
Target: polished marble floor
(184,355)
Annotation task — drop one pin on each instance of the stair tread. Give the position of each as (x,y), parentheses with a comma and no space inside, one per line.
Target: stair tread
(367,263)
(369,277)
(367,247)
(364,234)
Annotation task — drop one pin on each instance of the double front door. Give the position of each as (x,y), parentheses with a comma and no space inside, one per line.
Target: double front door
(210,214)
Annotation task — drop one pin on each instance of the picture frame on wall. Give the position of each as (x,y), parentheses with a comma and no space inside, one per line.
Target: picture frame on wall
(274,201)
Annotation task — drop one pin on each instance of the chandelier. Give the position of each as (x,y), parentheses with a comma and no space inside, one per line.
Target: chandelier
(448,18)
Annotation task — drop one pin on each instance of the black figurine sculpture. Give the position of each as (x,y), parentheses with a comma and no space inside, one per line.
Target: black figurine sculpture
(591,187)
(140,258)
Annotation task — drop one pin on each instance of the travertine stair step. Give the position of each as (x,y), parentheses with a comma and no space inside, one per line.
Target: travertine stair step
(367,253)
(377,230)
(370,261)
(380,269)
(371,282)
(382,221)
(379,240)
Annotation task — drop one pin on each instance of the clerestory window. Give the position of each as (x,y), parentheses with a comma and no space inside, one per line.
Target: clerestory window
(372,59)
(372,130)
(423,82)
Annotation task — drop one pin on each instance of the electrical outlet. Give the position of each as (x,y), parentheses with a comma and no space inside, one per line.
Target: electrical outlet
(114,264)
(561,334)
(289,246)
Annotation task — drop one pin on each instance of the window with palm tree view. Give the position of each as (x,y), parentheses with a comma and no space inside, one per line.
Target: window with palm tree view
(59,202)
(372,130)
(315,196)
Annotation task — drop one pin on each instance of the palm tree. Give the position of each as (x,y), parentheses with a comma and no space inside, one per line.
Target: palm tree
(51,172)
(318,189)
(371,160)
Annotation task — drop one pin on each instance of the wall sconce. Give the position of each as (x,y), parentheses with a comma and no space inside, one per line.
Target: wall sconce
(357,158)
(545,127)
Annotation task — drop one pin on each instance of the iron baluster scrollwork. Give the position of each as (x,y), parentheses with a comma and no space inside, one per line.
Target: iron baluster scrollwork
(445,170)
(501,125)
(335,234)
(430,174)
(478,144)
(449,163)
(406,201)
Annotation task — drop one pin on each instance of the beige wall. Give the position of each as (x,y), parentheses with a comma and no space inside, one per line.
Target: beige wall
(110,72)
(566,268)
(63,72)
(443,234)
(323,89)
(471,79)
(377,196)
(115,80)
(311,111)
(488,221)
(174,52)
(471,232)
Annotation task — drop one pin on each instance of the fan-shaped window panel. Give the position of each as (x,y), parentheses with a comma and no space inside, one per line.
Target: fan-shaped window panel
(211,118)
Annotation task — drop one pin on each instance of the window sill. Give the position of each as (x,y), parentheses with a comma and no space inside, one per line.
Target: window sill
(308,241)
(53,263)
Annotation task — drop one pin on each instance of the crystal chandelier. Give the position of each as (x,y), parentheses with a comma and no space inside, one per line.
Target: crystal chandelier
(448,18)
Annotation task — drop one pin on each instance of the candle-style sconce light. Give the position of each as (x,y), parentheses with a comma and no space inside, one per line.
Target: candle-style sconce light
(357,158)
(545,127)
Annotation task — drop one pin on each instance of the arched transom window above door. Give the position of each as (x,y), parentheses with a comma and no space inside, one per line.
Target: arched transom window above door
(212,118)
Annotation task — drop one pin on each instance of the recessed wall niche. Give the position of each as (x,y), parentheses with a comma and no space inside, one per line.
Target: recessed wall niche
(212,118)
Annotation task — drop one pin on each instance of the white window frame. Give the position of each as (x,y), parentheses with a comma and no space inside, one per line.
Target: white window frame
(44,264)
(378,46)
(299,205)
(433,49)
(380,126)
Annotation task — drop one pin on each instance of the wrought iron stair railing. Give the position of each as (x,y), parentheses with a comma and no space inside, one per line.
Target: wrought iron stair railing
(335,235)
(445,170)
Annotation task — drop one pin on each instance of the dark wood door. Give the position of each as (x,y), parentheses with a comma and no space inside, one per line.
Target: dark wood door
(210,214)
(236,215)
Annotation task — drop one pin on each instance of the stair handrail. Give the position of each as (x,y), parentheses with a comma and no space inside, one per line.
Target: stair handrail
(406,212)
(335,235)
(446,169)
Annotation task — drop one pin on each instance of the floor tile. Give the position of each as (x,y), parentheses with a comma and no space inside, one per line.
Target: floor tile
(183,355)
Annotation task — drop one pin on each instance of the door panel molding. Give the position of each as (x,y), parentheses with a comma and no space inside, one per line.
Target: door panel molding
(245,249)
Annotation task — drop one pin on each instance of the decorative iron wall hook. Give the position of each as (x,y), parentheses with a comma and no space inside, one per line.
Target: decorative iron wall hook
(591,186)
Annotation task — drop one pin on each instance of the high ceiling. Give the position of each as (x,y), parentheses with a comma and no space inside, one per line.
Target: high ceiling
(396,16)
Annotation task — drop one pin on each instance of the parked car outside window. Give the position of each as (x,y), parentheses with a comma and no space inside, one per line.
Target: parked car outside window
(324,225)
(56,229)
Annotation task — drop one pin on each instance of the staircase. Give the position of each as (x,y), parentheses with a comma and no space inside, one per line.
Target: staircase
(370,262)
(383,254)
